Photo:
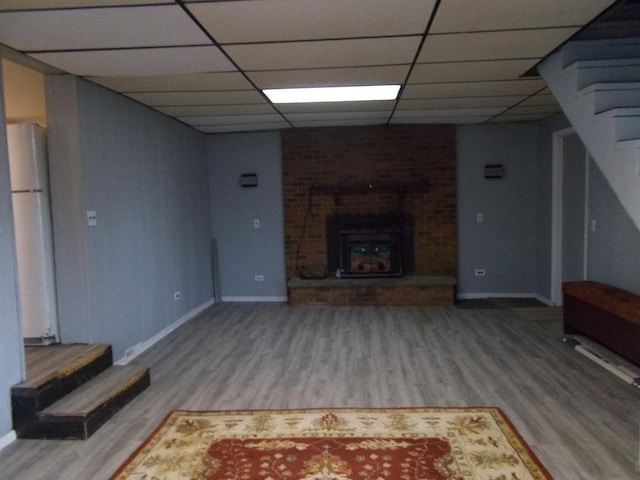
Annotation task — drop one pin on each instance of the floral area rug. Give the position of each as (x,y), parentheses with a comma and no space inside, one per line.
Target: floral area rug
(335,444)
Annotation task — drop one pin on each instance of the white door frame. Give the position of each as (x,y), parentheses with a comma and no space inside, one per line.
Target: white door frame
(558,139)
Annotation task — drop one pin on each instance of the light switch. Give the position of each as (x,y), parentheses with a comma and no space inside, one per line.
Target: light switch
(256,223)
(479,217)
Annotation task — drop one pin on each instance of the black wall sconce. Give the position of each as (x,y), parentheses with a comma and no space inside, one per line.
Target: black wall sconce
(494,170)
(248,180)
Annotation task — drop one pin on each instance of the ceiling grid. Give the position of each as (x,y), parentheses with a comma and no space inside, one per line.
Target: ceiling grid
(207,62)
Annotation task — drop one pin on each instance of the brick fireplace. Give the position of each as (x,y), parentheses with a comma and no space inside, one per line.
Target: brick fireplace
(369,202)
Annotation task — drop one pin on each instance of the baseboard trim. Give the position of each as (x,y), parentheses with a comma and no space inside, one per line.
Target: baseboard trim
(7,439)
(254,299)
(478,296)
(145,345)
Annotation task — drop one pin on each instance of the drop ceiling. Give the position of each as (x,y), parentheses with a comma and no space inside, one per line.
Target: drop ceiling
(206,62)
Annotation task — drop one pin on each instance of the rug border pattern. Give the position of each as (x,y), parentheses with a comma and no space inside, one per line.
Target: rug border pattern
(515,439)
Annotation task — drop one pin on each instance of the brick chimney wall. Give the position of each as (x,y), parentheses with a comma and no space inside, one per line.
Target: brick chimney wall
(389,155)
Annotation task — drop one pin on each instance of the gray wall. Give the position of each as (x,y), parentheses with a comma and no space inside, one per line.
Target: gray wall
(145,175)
(613,247)
(244,251)
(511,241)
(11,353)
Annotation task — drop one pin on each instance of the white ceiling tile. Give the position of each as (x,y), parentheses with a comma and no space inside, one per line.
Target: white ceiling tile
(235,97)
(103,28)
(519,118)
(379,105)
(449,113)
(232,119)
(459,102)
(468,16)
(265,21)
(386,75)
(246,127)
(215,110)
(540,99)
(441,120)
(153,61)
(47,4)
(514,44)
(300,117)
(533,109)
(473,89)
(325,54)
(339,123)
(470,71)
(176,83)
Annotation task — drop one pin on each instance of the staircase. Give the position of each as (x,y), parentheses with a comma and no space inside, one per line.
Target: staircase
(71,391)
(597,83)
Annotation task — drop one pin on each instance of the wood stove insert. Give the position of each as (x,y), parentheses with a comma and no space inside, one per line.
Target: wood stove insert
(370,245)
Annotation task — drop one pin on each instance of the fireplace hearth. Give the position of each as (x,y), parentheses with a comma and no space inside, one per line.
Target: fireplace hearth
(370,245)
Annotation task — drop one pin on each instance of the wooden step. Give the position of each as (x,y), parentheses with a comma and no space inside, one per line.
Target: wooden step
(79,414)
(52,373)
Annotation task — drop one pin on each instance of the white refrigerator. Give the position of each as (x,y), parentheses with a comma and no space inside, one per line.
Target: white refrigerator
(34,242)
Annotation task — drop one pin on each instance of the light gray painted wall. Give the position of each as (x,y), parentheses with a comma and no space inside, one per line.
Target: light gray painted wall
(244,251)
(67,208)
(145,175)
(509,242)
(11,352)
(613,247)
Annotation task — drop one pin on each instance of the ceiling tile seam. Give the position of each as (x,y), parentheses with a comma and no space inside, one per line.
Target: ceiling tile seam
(210,125)
(338,67)
(516,80)
(192,16)
(317,40)
(415,58)
(516,104)
(461,98)
(161,92)
(86,7)
(492,60)
(115,49)
(505,30)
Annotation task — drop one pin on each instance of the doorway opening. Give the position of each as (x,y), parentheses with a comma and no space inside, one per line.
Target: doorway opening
(570,211)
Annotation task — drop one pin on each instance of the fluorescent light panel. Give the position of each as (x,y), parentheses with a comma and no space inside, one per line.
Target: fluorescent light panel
(332,94)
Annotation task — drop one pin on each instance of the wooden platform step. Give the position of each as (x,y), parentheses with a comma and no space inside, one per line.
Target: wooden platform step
(79,414)
(53,373)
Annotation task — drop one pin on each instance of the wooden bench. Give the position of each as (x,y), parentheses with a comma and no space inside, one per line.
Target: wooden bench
(607,314)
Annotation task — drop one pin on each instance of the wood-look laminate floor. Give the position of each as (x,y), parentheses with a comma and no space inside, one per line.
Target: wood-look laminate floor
(580,420)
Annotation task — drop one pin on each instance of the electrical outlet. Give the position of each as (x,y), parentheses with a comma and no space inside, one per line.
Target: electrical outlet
(92,218)
(480,272)
(259,278)
(176,296)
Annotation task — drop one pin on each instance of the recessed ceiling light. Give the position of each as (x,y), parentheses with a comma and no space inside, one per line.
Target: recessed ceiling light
(332,94)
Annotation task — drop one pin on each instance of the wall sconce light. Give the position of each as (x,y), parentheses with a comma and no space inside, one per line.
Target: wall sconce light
(248,180)
(494,170)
